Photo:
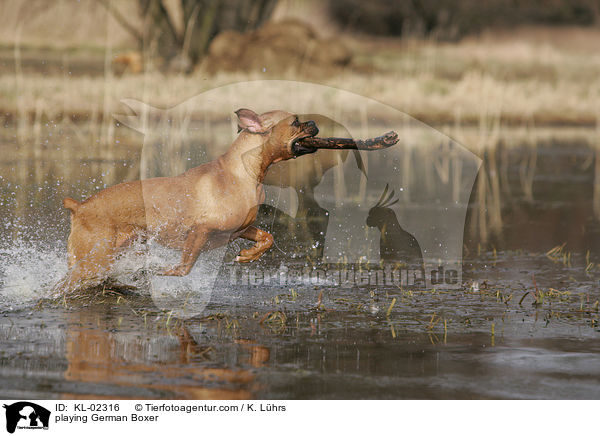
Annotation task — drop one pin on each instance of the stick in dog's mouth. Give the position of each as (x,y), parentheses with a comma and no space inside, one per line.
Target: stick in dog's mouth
(312,143)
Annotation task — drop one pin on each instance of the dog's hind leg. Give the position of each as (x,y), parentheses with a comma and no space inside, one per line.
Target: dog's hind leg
(90,256)
(263,240)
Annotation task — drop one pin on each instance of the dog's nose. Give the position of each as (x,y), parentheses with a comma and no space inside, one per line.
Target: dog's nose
(311,127)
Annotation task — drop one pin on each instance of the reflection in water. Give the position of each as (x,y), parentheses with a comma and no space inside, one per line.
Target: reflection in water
(100,351)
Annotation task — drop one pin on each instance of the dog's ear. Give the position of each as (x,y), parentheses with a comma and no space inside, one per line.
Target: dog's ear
(250,121)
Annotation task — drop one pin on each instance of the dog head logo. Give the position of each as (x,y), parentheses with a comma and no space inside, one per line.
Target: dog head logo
(26,415)
(370,202)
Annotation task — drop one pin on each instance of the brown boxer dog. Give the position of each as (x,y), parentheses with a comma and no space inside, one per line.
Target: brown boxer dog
(201,209)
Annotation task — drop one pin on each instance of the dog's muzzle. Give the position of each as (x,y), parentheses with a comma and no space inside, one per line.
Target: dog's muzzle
(298,148)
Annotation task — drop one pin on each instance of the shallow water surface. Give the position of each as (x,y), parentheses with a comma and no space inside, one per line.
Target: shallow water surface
(523,324)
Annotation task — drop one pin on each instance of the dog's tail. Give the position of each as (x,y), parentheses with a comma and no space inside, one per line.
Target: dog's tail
(71,204)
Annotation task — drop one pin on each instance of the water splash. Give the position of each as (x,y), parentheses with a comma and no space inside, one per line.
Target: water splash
(185,296)
(28,272)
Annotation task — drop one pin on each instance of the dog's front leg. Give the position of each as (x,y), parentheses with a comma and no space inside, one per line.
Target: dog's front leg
(194,243)
(263,240)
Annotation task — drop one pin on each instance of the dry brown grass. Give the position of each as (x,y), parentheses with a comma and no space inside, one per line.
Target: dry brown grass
(432,99)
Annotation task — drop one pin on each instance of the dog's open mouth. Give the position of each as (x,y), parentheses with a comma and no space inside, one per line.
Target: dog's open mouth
(299,149)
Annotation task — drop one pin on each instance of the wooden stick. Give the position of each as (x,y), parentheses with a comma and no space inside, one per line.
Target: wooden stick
(384,141)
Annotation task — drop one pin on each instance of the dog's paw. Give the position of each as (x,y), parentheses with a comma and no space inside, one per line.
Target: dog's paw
(245,259)
(178,271)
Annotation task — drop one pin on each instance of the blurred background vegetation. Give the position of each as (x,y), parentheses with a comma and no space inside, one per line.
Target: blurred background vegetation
(440,61)
(451,20)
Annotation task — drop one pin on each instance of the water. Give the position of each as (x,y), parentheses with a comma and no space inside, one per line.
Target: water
(493,337)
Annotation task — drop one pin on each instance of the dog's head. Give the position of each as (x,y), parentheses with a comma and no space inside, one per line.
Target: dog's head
(283,130)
